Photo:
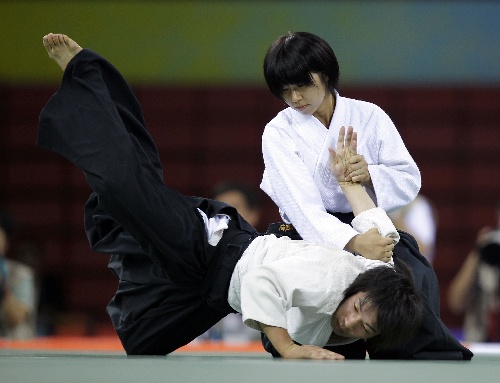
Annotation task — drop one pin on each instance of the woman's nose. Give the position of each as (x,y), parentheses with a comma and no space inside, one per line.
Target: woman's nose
(295,95)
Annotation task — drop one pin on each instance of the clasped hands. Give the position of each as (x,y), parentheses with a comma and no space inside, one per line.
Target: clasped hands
(350,168)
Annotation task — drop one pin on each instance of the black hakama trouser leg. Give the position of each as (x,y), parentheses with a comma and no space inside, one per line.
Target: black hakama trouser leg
(95,121)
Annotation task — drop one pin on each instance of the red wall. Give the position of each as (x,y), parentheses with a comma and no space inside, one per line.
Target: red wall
(208,134)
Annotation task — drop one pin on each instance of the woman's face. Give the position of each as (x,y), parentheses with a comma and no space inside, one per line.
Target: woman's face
(307,99)
(355,318)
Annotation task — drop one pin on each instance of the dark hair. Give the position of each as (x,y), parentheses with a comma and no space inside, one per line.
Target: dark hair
(250,194)
(400,306)
(294,56)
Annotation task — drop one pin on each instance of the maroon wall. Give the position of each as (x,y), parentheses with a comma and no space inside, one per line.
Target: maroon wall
(208,134)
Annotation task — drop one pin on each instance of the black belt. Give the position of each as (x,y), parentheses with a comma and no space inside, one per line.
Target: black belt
(228,252)
(288,230)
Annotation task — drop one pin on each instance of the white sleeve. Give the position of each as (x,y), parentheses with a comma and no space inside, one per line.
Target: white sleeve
(262,301)
(270,290)
(376,218)
(296,194)
(395,175)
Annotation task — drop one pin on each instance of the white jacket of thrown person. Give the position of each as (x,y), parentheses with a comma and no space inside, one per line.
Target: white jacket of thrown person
(297,285)
(297,175)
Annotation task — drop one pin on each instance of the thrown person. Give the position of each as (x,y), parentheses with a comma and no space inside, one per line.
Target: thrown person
(184,263)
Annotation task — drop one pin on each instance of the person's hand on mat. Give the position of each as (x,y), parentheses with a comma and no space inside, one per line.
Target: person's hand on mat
(288,349)
(296,351)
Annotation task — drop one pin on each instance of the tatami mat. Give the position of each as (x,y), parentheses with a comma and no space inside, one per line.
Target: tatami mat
(95,360)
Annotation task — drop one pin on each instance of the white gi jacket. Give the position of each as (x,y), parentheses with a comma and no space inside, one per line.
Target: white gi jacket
(297,175)
(298,285)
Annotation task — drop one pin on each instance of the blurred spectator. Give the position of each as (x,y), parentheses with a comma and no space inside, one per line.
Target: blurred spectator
(241,196)
(475,290)
(246,200)
(18,302)
(419,219)
(48,287)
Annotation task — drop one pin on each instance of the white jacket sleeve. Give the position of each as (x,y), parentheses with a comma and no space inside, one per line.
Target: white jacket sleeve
(296,194)
(270,290)
(395,176)
(376,218)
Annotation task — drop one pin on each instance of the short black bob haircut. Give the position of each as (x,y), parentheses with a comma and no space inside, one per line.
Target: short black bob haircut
(400,306)
(294,56)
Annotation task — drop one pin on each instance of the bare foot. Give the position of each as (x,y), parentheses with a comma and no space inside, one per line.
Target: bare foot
(60,48)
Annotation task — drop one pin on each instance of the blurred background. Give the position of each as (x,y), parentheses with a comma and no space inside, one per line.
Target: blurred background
(196,67)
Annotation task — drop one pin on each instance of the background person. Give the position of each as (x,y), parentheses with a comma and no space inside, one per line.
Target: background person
(475,290)
(420,219)
(245,199)
(18,299)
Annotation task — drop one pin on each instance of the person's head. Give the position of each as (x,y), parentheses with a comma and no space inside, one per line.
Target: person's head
(383,305)
(242,197)
(6,229)
(294,57)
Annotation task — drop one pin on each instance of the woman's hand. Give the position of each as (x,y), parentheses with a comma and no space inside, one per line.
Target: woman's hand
(340,159)
(345,164)
(350,169)
(310,352)
(358,170)
(372,245)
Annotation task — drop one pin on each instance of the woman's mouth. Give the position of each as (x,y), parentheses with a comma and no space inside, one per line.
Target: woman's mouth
(301,108)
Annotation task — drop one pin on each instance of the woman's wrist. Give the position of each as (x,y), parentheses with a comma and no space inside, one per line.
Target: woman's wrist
(347,183)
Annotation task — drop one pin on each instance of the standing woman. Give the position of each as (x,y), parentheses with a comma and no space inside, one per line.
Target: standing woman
(301,69)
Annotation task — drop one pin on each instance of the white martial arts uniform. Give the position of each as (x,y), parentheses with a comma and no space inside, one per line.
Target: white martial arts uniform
(297,285)
(297,175)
